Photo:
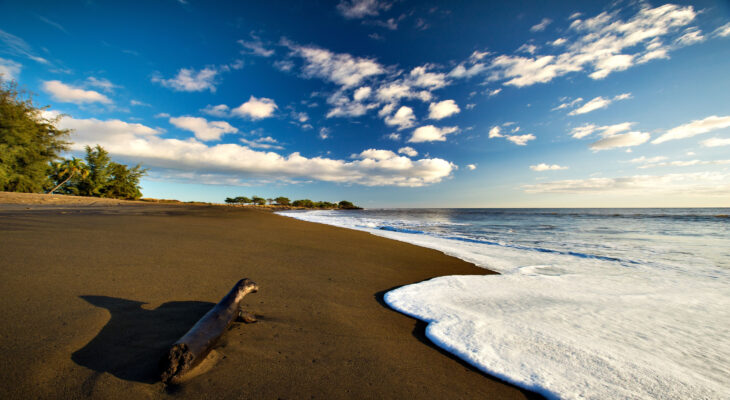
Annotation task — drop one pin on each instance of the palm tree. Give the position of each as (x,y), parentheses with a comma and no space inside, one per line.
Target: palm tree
(74,166)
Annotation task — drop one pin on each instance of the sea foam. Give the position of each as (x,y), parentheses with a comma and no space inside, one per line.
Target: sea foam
(566,324)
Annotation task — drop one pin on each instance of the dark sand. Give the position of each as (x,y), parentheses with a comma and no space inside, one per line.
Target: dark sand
(93,295)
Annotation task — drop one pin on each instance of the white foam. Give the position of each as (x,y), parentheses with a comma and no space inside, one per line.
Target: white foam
(572,327)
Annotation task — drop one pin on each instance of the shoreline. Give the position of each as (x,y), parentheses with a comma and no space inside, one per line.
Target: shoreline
(75,281)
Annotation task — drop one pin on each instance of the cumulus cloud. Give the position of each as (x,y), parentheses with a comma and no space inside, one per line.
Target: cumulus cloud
(495,132)
(262,143)
(342,69)
(139,143)
(598,103)
(202,128)
(442,109)
(471,167)
(541,26)
(9,69)
(600,45)
(521,140)
(394,136)
(430,133)
(403,118)
(356,9)
(715,142)
(221,110)
(698,184)
(362,93)
(546,167)
(188,80)
(255,108)
(628,139)
(694,128)
(70,94)
(409,151)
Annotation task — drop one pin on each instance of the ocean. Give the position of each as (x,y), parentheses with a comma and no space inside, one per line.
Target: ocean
(589,303)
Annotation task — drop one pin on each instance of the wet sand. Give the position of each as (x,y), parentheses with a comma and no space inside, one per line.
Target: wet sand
(95,291)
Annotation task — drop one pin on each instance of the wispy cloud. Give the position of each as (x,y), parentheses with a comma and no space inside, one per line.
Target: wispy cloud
(694,128)
(70,94)
(355,9)
(547,167)
(541,26)
(203,129)
(190,80)
(598,103)
(18,47)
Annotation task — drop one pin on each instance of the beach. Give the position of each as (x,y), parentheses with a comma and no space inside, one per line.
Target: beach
(96,291)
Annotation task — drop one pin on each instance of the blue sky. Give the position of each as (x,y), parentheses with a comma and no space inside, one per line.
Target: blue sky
(392,103)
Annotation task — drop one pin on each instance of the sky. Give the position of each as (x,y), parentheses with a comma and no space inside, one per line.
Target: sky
(391,103)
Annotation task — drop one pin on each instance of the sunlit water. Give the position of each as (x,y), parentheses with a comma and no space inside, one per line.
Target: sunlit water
(590,303)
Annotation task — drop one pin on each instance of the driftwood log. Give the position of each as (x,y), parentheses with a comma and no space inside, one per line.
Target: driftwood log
(192,348)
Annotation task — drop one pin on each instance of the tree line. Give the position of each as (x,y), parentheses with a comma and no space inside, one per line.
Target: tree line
(30,161)
(285,202)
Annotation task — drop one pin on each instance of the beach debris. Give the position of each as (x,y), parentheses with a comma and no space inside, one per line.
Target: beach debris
(195,345)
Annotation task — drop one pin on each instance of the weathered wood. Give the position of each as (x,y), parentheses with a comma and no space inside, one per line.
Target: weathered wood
(192,348)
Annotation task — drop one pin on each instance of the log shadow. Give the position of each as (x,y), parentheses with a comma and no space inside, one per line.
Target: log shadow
(134,341)
(419,332)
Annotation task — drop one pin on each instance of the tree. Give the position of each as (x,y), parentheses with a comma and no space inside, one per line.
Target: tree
(99,162)
(306,203)
(29,142)
(242,200)
(123,181)
(259,201)
(230,200)
(282,201)
(346,205)
(69,168)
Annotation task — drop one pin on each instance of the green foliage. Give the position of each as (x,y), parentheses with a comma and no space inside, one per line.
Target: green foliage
(259,201)
(306,203)
(282,201)
(63,171)
(346,205)
(242,200)
(230,200)
(123,182)
(28,142)
(99,162)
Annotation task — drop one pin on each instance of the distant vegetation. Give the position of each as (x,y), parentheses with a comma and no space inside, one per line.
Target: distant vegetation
(30,148)
(285,202)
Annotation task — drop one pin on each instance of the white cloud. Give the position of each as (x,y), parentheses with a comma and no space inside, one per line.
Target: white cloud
(101,83)
(324,133)
(394,136)
(9,69)
(628,139)
(546,167)
(493,92)
(520,140)
(442,109)
(645,160)
(420,77)
(495,132)
(162,115)
(203,129)
(541,26)
(139,143)
(471,167)
(19,47)
(188,80)
(362,93)
(430,133)
(262,143)
(605,131)
(300,117)
(567,104)
(409,151)
(136,103)
(691,36)
(598,103)
(723,31)
(255,108)
(602,44)
(403,118)
(685,163)
(221,110)
(715,142)
(355,9)
(341,69)
(697,184)
(69,94)
(256,47)
(694,128)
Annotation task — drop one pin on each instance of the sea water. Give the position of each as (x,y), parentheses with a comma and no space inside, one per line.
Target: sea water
(589,303)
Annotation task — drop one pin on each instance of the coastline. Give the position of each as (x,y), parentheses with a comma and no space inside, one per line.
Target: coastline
(85,286)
